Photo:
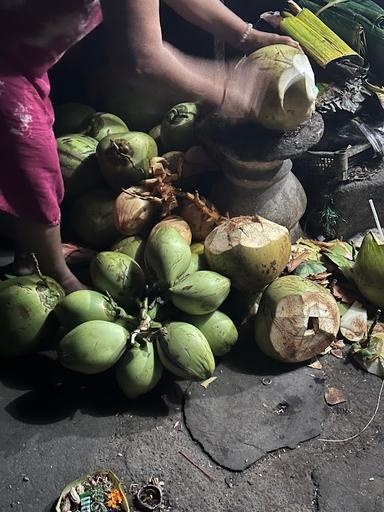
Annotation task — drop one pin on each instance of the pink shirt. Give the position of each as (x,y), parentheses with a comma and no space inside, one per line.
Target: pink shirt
(34,34)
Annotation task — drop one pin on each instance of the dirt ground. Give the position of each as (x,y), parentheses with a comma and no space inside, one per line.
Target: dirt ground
(56,427)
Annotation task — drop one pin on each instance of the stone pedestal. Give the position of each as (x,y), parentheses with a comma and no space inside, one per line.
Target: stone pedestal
(256,165)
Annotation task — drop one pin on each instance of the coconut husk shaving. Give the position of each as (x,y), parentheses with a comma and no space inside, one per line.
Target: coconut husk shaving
(161,189)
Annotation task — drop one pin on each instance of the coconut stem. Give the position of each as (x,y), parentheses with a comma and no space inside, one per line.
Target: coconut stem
(202,205)
(147,328)
(126,155)
(38,271)
(365,343)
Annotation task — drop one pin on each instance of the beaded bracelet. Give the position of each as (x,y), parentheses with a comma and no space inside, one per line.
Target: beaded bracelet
(246,33)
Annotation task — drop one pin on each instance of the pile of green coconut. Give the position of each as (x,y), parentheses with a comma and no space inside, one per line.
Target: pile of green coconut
(168,272)
(156,304)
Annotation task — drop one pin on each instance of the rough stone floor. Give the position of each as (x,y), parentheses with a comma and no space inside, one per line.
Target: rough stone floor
(56,427)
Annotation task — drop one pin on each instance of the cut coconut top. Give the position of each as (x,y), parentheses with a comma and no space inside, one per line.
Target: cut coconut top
(254,232)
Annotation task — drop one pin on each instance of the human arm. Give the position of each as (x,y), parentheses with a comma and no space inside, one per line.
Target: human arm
(139,56)
(214,17)
(137,50)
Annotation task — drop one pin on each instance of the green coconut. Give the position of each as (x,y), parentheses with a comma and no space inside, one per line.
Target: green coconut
(185,352)
(219,330)
(200,293)
(132,246)
(297,319)
(139,370)
(102,124)
(78,163)
(155,133)
(91,218)
(120,276)
(167,255)
(86,305)
(251,251)
(291,93)
(178,127)
(69,117)
(26,313)
(368,270)
(176,222)
(93,347)
(134,215)
(198,262)
(125,158)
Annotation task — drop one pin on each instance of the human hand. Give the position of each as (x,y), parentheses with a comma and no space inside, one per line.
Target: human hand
(257,39)
(245,87)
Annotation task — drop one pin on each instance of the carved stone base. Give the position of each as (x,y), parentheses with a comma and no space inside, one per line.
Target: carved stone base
(276,195)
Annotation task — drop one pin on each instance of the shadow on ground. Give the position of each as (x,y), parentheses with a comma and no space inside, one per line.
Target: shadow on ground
(53,393)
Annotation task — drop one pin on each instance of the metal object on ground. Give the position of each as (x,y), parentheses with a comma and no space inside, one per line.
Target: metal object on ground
(149,497)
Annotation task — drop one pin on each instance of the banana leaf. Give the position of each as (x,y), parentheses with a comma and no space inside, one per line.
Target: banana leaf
(111,476)
(349,30)
(360,24)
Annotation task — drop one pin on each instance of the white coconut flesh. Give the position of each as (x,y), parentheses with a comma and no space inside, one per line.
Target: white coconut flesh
(303,326)
(291,92)
(296,87)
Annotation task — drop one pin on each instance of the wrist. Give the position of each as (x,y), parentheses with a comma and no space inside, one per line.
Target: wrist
(243,36)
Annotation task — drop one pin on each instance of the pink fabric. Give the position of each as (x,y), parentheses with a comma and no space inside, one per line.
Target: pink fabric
(34,34)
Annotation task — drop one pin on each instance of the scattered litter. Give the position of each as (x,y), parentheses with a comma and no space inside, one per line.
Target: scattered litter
(178,426)
(347,439)
(316,365)
(281,408)
(326,351)
(149,497)
(232,480)
(208,382)
(338,344)
(334,396)
(188,458)
(337,353)
(266,381)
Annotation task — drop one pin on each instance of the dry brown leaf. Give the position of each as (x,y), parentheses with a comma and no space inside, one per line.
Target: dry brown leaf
(337,353)
(334,396)
(322,279)
(323,245)
(296,261)
(338,344)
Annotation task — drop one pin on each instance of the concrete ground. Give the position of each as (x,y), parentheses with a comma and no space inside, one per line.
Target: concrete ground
(56,426)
